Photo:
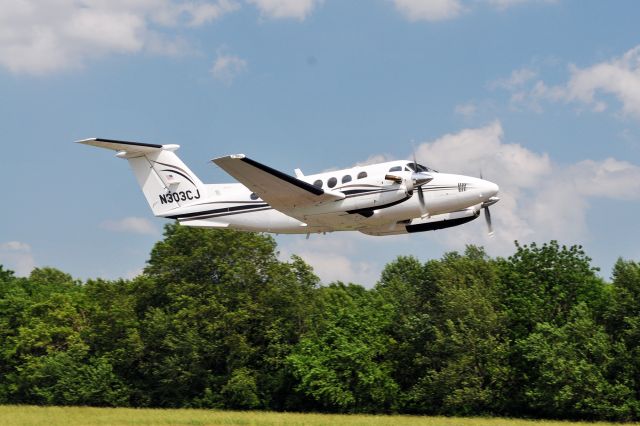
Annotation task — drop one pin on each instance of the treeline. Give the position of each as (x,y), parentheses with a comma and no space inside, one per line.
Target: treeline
(216,320)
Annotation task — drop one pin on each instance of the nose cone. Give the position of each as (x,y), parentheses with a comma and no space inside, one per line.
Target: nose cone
(489,189)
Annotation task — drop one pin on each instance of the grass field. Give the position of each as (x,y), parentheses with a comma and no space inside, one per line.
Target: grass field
(70,416)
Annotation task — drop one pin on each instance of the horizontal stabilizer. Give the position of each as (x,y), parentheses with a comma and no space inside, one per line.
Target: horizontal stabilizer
(129,147)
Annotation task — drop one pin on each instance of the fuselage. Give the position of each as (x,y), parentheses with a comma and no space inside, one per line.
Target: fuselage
(372,203)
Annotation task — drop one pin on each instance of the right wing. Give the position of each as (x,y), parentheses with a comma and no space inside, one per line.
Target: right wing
(282,191)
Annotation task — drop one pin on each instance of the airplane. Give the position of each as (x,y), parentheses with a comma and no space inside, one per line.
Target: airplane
(390,198)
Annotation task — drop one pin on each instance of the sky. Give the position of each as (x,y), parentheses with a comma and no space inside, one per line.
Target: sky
(540,96)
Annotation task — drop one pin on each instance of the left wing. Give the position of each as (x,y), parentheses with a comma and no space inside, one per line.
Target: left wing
(281,191)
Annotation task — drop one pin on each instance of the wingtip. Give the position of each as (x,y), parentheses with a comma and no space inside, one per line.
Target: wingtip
(87,140)
(232,156)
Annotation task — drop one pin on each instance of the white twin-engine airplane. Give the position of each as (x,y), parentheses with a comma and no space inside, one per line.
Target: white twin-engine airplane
(394,197)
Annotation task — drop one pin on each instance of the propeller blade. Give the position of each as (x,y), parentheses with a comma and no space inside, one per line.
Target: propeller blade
(487,218)
(421,199)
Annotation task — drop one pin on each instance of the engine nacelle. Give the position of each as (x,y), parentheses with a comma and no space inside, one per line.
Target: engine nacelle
(432,223)
(445,220)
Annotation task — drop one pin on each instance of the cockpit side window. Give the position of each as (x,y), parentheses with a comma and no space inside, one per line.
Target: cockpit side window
(396,169)
(420,167)
(362,175)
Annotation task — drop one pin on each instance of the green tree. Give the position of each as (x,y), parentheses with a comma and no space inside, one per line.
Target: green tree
(623,323)
(215,305)
(465,360)
(340,362)
(44,356)
(568,373)
(544,283)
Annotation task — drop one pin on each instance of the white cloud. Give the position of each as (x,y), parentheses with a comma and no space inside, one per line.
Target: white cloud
(227,67)
(373,159)
(429,10)
(505,4)
(513,167)
(539,199)
(332,257)
(136,225)
(42,37)
(618,78)
(17,256)
(516,80)
(282,9)
(133,273)
(441,10)
(466,110)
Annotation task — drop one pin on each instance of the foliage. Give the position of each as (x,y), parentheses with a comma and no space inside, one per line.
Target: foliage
(339,362)
(218,321)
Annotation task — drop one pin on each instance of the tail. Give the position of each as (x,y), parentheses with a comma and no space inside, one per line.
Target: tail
(167,183)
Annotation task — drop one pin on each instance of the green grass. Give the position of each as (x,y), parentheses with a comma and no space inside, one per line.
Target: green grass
(70,416)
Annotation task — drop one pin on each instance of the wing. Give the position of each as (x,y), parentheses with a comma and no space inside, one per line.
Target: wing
(281,191)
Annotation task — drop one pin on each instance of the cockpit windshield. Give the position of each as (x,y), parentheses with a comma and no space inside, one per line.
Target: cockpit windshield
(420,167)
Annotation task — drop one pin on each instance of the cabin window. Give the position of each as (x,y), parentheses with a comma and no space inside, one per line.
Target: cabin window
(332,182)
(362,175)
(254,196)
(396,169)
(346,178)
(318,183)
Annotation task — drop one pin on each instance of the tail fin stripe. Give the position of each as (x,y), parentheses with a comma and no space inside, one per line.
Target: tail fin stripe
(181,174)
(170,165)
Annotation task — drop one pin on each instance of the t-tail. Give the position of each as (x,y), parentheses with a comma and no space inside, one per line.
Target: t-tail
(167,183)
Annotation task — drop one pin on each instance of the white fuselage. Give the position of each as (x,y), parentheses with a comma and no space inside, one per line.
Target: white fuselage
(372,204)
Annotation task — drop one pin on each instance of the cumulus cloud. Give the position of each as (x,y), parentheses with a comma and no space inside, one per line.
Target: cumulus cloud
(282,9)
(516,80)
(429,10)
(539,199)
(135,225)
(592,86)
(332,258)
(441,10)
(466,110)
(17,256)
(505,4)
(373,159)
(42,37)
(227,67)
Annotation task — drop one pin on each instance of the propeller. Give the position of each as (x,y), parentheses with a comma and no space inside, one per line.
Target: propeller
(415,181)
(423,205)
(487,213)
(487,218)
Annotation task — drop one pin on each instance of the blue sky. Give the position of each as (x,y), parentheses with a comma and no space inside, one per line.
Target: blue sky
(542,96)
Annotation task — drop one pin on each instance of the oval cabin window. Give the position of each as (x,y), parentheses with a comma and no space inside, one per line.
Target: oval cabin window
(332,182)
